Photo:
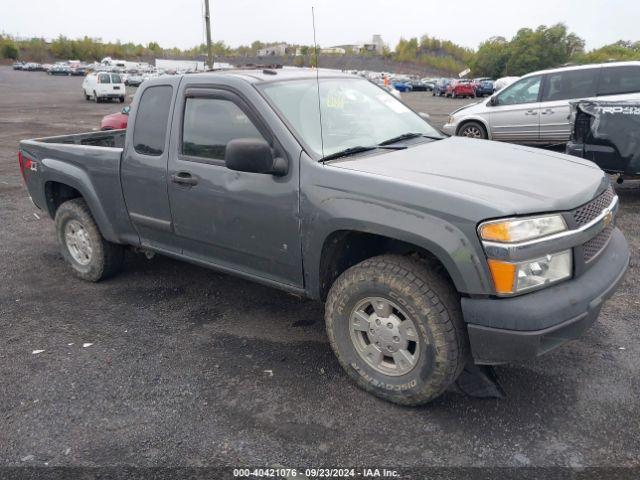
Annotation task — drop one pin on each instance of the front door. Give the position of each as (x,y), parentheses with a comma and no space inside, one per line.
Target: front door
(516,115)
(241,221)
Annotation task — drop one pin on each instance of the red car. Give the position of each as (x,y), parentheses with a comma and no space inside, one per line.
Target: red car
(461,88)
(116,121)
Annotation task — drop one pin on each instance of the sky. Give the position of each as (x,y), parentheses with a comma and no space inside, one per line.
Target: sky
(179,23)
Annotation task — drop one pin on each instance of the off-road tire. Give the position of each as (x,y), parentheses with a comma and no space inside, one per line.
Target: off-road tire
(428,296)
(106,258)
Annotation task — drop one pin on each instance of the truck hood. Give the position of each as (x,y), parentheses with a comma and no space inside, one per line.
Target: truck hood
(508,179)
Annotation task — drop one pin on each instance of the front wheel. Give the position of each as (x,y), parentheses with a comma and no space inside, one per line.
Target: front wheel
(90,256)
(473,130)
(397,328)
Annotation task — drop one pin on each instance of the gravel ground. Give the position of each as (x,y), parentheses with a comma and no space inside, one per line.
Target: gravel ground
(169,364)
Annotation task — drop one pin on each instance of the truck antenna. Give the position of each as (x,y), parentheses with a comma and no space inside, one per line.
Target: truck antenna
(315,50)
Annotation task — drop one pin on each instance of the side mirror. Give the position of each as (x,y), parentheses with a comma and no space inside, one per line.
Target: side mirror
(424,115)
(493,101)
(126,110)
(253,155)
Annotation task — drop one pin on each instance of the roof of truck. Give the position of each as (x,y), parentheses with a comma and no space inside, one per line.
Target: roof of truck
(255,75)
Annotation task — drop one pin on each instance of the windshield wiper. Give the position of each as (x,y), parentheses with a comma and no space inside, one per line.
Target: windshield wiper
(348,151)
(407,136)
(404,136)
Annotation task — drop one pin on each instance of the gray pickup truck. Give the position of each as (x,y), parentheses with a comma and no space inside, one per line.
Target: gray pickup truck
(431,253)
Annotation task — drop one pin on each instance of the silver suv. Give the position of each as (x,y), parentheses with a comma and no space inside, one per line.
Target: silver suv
(535,109)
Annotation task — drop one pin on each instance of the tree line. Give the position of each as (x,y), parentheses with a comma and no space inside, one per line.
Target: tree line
(528,50)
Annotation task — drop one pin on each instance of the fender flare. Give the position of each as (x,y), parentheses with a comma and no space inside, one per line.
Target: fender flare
(77,178)
(440,238)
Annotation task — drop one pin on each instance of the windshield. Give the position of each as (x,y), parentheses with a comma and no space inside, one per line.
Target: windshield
(355,112)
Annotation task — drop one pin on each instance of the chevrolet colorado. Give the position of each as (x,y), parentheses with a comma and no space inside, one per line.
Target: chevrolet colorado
(429,252)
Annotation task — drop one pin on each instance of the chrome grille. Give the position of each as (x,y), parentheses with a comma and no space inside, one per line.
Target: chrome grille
(584,214)
(592,247)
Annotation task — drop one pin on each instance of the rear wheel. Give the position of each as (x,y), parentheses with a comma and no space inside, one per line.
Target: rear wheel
(473,130)
(90,256)
(397,329)
(121,99)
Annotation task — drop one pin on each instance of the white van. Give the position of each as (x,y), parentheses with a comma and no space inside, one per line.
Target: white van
(104,85)
(535,109)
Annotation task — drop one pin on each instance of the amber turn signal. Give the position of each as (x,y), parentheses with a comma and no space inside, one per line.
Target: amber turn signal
(495,232)
(503,275)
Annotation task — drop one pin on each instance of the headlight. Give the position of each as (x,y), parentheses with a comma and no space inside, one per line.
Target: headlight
(510,278)
(450,120)
(520,229)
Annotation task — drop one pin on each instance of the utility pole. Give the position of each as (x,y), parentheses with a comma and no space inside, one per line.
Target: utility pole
(207,21)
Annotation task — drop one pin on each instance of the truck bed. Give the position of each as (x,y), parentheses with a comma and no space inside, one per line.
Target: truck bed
(88,163)
(109,138)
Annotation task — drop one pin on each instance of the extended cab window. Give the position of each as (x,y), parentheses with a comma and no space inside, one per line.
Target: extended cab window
(571,84)
(522,91)
(151,120)
(104,78)
(210,123)
(619,80)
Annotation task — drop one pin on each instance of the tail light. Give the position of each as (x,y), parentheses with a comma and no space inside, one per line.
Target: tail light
(25,164)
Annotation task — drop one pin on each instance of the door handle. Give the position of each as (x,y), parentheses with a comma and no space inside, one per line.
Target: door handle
(530,112)
(184,178)
(548,111)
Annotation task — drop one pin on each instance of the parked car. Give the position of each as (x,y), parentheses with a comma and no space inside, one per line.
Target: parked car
(441,86)
(116,121)
(134,80)
(419,86)
(431,252)
(429,84)
(32,67)
(535,109)
(78,71)
(484,88)
(103,86)
(60,69)
(18,65)
(402,86)
(460,89)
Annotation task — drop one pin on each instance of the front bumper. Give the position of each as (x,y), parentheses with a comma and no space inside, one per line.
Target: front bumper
(520,328)
(449,128)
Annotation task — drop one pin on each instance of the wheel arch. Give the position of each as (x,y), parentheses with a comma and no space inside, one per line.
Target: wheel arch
(344,248)
(66,182)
